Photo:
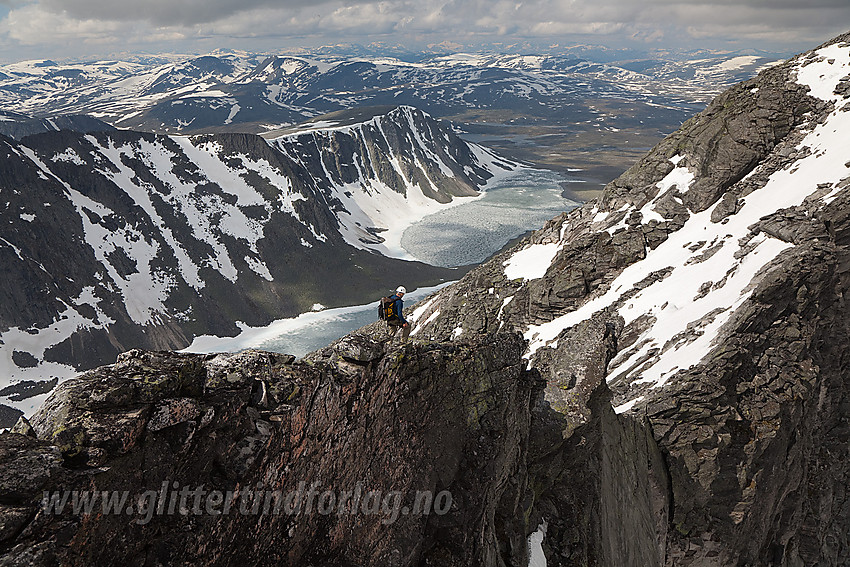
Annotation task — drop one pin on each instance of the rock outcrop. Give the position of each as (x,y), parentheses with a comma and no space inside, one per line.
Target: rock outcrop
(414,453)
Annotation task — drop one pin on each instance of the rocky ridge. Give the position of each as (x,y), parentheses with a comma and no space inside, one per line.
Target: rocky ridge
(680,396)
(450,419)
(17,126)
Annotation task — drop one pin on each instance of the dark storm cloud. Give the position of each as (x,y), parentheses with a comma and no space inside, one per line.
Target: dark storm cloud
(518,17)
(155,24)
(167,12)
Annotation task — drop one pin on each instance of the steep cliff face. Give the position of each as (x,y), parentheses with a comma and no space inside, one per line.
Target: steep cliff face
(392,164)
(719,263)
(121,239)
(414,454)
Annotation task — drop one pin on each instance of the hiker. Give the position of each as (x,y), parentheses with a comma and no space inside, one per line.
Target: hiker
(397,321)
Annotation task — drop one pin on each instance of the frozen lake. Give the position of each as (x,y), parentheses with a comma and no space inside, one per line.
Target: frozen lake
(465,234)
(472,232)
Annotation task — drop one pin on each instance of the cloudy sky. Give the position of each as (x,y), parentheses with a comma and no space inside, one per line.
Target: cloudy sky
(99,28)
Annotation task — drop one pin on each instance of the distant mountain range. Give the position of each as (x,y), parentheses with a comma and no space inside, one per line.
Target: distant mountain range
(238,91)
(583,107)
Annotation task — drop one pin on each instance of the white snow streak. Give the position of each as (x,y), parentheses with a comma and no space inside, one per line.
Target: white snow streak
(536,557)
(702,292)
(531,263)
(36,341)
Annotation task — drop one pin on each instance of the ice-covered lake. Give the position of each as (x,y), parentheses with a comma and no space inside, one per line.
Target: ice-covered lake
(472,232)
(465,234)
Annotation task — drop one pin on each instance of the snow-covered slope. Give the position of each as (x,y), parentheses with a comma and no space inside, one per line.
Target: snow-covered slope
(427,161)
(688,233)
(250,92)
(119,239)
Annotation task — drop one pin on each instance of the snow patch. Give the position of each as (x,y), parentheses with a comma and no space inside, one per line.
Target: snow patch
(681,178)
(433,316)
(536,557)
(824,73)
(69,156)
(421,309)
(234,110)
(36,341)
(737,63)
(259,267)
(623,408)
(531,263)
(505,302)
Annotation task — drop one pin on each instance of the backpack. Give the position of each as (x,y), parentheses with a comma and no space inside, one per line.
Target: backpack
(385,309)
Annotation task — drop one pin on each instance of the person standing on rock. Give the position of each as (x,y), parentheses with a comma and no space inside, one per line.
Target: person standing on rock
(398,321)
